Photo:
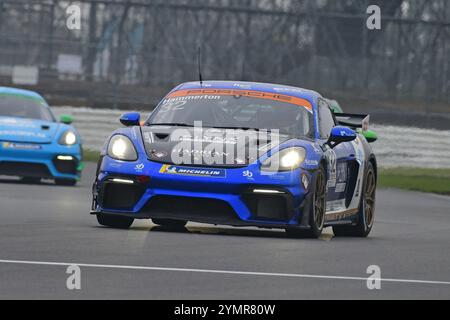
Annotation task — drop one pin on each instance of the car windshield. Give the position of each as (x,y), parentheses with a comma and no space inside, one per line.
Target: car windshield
(235,111)
(24,107)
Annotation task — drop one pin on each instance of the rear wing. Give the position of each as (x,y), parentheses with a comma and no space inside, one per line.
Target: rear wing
(358,122)
(353,120)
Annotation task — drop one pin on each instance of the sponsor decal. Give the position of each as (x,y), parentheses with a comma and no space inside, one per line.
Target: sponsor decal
(244,93)
(21,146)
(22,133)
(192,171)
(139,167)
(335,205)
(13,122)
(247,174)
(340,187)
(340,215)
(281,89)
(311,162)
(242,86)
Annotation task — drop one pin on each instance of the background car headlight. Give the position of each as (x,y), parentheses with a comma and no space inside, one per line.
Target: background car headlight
(121,148)
(285,160)
(68,138)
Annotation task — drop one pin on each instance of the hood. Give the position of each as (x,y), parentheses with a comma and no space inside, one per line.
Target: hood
(208,147)
(27,130)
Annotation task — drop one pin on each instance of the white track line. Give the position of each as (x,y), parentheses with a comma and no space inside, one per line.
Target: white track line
(250,273)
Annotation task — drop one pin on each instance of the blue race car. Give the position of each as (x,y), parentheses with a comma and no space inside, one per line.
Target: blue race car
(33,145)
(240,154)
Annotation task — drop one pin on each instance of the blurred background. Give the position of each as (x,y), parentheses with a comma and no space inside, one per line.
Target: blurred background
(131,52)
(128,54)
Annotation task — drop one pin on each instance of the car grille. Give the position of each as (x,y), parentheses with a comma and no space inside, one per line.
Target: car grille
(266,206)
(120,196)
(24,169)
(191,208)
(66,166)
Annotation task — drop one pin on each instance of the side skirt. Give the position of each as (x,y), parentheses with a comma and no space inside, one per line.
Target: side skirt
(337,217)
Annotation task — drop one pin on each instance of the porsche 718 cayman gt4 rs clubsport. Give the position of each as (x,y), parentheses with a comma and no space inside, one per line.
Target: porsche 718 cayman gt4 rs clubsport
(33,145)
(240,154)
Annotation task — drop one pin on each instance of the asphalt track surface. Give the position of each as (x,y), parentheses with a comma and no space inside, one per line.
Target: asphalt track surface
(45,228)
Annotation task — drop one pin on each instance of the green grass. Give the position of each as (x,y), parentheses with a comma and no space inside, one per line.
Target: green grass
(418,179)
(90,155)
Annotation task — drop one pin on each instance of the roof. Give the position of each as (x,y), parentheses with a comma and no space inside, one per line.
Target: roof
(21,92)
(256,86)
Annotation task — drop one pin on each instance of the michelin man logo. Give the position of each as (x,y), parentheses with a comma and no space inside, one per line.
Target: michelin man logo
(172,170)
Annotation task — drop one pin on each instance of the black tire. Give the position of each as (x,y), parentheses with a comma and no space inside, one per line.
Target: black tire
(114,221)
(171,223)
(31,180)
(317,211)
(65,182)
(365,217)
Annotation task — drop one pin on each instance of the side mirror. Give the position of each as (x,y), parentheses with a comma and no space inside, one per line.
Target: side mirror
(340,134)
(66,119)
(130,119)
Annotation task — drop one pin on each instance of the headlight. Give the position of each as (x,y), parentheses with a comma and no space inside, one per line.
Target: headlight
(285,160)
(68,138)
(121,148)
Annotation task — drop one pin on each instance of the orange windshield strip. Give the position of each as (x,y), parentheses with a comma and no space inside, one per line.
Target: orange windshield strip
(247,93)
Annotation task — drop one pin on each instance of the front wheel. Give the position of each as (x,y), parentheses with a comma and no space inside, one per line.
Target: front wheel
(317,211)
(114,221)
(365,218)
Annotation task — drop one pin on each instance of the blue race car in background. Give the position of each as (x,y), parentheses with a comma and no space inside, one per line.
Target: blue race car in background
(240,154)
(33,145)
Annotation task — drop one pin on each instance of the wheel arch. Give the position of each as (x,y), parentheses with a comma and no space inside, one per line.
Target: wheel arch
(373,161)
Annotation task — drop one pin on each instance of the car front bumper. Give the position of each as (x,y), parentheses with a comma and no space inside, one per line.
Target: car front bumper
(242,197)
(42,161)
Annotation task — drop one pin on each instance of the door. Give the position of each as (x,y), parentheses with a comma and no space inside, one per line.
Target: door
(338,159)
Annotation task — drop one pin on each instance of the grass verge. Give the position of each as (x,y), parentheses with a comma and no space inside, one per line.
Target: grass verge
(417,179)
